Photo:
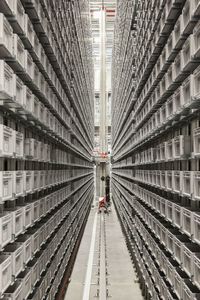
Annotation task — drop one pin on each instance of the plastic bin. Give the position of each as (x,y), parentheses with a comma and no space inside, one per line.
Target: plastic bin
(36,210)
(177,181)
(6,37)
(179,278)
(35,234)
(6,190)
(28,181)
(163,288)
(169,211)
(42,114)
(43,57)
(163,207)
(42,84)
(29,102)
(37,46)
(36,106)
(176,66)
(42,207)
(48,203)
(176,33)
(28,215)
(195,83)
(20,92)
(170,239)
(170,266)
(196,180)
(5,229)
(33,265)
(5,272)
(19,14)
(7,137)
(163,179)
(194,41)
(190,292)
(196,227)
(35,294)
(7,81)
(187,183)
(188,251)
(19,52)
(29,66)
(158,178)
(16,250)
(18,221)
(177,101)
(42,262)
(169,108)
(25,278)
(186,91)
(169,180)
(36,76)
(19,144)
(181,147)
(196,142)
(18,183)
(178,242)
(177,215)
(187,221)
(36,178)
(186,16)
(153,178)
(14,292)
(186,52)
(26,240)
(29,31)
(163,153)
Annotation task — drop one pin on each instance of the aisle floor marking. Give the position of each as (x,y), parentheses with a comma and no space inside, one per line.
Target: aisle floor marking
(88,277)
(103,289)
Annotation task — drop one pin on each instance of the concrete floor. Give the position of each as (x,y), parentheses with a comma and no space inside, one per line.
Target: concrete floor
(121,277)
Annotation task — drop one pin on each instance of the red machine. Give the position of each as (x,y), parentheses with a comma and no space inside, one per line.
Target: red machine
(102,203)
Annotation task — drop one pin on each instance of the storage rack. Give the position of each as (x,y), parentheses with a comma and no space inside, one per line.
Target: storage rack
(46,141)
(155,142)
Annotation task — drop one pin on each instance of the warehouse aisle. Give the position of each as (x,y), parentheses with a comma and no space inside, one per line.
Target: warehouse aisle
(76,286)
(120,278)
(99,100)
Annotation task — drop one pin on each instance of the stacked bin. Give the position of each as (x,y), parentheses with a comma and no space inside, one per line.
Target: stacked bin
(156,170)
(46,142)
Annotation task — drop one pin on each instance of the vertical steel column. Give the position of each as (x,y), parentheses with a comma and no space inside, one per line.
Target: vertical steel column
(103,102)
